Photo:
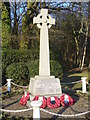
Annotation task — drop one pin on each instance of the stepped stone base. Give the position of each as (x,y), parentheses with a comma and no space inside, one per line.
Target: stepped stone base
(44,86)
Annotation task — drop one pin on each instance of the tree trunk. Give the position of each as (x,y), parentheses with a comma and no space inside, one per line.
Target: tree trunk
(85,47)
(14,37)
(77,46)
(15,30)
(67,57)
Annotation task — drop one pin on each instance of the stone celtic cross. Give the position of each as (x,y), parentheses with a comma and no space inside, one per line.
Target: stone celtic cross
(44,21)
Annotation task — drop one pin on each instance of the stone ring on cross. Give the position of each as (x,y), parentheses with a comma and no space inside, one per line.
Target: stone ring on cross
(44,19)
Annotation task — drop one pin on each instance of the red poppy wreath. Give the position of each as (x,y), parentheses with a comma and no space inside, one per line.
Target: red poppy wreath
(55,105)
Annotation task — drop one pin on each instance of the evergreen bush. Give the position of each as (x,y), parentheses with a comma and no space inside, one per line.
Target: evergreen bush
(18,72)
(55,68)
(22,72)
(15,56)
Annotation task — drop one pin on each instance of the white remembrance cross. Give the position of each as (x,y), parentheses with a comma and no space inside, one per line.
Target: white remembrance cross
(44,22)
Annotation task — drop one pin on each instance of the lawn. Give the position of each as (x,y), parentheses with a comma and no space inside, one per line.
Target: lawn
(75,75)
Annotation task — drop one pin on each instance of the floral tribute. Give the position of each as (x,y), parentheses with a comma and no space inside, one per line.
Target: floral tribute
(55,105)
(24,99)
(64,100)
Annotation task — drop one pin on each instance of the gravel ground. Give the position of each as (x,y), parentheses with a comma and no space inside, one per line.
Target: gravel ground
(81,105)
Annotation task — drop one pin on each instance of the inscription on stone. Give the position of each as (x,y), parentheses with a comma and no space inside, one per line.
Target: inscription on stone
(41,87)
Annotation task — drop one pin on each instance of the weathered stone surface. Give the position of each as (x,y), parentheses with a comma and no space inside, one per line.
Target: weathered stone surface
(45,86)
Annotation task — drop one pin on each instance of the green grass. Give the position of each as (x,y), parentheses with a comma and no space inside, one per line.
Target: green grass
(73,76)
(83,74)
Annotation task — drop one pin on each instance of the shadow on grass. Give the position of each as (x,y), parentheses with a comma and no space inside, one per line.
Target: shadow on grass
(69,77)
(10,104)
(63,110)
(68,90)
(60,112)
(74,96)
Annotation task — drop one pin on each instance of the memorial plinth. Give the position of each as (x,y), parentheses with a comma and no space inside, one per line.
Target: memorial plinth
(44,84)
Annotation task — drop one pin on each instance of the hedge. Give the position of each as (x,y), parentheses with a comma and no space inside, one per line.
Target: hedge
(15,56)
(18,72)
(33,67)
(55,68)
(22,72)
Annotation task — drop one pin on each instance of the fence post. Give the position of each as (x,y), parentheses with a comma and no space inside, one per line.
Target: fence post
(8,85)
(83,84)
(36,109)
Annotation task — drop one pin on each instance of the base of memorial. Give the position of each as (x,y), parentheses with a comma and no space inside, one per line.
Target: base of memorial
(32,97)
(44,86)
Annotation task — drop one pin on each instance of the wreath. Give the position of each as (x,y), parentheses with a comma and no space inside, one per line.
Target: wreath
(44,101)
(55,105)
(66,100)
(24,99)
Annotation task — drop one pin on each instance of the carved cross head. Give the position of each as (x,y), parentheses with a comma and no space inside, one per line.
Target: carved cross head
(44,19)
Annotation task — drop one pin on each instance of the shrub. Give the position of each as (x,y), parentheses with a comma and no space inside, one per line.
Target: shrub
(22,72)
(16,56)
(18,72)
(55,68)
(33,67)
